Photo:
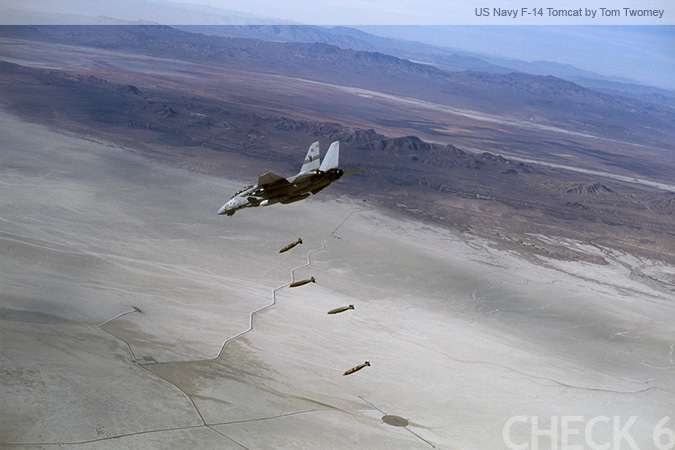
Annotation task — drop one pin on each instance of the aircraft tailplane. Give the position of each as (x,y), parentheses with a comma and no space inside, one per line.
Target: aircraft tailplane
(330,161)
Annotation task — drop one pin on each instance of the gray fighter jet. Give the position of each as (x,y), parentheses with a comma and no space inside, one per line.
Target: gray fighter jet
(312,178)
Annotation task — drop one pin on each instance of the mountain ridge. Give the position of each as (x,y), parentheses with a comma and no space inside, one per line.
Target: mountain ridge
(445,58)
(553,100)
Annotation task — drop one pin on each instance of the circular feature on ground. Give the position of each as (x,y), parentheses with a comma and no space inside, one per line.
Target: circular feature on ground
(395,421)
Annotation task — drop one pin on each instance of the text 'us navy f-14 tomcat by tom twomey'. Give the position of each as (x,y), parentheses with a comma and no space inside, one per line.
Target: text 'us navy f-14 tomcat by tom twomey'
(312,178)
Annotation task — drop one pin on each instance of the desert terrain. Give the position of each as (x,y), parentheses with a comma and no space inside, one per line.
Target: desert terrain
(132,316)
(464,150)
(119,309)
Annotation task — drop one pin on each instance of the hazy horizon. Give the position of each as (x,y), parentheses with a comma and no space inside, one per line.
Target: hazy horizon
(630,50)
(643,54)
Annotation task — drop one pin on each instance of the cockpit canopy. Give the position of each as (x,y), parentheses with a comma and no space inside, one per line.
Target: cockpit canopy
(240,191)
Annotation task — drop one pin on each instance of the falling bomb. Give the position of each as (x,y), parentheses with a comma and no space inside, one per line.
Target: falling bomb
(302,282)
(356,369)
(291,245)
(341,309)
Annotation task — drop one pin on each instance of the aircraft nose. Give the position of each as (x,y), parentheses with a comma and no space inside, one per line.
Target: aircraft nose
(223,210)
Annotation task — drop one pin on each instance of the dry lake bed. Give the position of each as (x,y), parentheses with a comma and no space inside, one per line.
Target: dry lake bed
(132,316)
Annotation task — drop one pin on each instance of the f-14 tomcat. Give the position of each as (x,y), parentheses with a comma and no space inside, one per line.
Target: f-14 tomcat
(312,178)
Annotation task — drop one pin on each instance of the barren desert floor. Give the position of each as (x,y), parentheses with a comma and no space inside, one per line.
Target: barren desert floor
(132,316)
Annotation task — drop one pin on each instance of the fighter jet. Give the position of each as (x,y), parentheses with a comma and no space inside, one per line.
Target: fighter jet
(312,178)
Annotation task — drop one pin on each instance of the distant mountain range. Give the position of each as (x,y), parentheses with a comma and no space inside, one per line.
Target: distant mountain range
(218,21)
(445,58)
(552,101)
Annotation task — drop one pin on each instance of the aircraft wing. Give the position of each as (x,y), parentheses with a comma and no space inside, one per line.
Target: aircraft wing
(272,181)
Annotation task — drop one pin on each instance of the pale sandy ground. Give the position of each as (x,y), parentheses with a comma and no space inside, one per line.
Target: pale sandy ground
(120,285)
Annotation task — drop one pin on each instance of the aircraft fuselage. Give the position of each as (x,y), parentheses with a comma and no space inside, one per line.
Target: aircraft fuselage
(312,178)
